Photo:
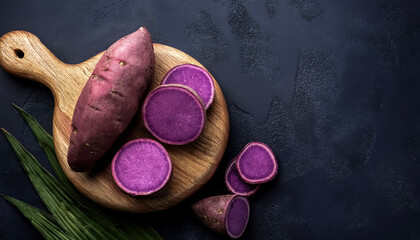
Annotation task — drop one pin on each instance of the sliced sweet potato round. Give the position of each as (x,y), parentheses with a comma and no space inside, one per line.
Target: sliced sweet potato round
(256,163)
(174,114)
(141,167)
(235,184)
(194,77)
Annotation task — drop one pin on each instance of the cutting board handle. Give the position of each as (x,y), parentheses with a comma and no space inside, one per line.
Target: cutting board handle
(23,54)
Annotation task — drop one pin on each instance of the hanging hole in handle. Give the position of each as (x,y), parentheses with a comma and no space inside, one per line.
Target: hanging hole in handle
(19,53)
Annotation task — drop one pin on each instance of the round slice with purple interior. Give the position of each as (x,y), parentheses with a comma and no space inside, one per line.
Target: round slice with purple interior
(235,184)
(174,114)
(256,163)
(141,167)
(194,77)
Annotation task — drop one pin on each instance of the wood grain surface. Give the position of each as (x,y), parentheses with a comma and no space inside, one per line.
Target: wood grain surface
(22,54)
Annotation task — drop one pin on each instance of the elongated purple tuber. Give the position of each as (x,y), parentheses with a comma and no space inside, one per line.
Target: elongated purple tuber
(141,167)
(110,98)
(256,163)
(225,214)
(174,114)
(236,184)
(194,77)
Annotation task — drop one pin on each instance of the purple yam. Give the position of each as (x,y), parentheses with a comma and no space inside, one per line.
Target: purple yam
(194,77)
(110,98)
(256,163)
(174,114)
(236,184)
(224,214)
(141,167)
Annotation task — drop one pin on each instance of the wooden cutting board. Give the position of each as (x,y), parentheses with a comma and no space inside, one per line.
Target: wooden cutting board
(22,54)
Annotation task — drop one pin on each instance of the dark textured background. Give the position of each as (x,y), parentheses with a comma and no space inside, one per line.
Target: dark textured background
(331,86)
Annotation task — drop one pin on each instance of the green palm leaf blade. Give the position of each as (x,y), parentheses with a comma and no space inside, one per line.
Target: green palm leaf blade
(45,141)
(42,221)
(79,222)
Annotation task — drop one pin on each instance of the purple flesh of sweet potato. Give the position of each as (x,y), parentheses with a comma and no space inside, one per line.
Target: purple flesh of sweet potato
(174,114)
(194,77)
(110,98)
(235,184)
(141,167)
(256,163)
(225,214)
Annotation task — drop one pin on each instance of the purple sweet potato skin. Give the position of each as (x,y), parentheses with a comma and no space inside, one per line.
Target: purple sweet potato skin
(224,214)
(110,98)
(212,211)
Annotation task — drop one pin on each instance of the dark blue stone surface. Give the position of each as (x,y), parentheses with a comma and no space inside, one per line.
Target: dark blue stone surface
(332,86)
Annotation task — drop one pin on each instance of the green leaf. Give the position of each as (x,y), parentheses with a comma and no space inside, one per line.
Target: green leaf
(42,221)
(45,141)
(79,222)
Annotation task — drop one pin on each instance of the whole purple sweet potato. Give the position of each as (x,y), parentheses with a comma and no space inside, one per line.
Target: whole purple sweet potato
(225,214)
(110,98)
